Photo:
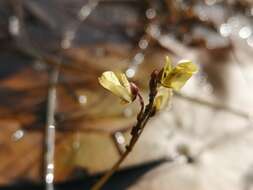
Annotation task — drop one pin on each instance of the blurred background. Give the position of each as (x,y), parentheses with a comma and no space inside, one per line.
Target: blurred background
(60,130)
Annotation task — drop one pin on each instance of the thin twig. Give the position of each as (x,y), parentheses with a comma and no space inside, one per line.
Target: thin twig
(142,119)
(50,131)
(118,140)
(82,15)
(213,105)
(129,148)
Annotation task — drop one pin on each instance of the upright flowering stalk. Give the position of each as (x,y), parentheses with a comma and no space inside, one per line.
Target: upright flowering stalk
(161,87)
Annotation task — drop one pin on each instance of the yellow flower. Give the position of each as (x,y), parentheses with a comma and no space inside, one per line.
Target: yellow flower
(162,97)
(118,85)
(176,77)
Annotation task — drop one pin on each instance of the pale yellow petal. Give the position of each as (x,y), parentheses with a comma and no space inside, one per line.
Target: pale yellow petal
(167,68)
(188,66)
(110,82)
(179,75)
(168,64)
(111,77)
(124,81)
(162,98)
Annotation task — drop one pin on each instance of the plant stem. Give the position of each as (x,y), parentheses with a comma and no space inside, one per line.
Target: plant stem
(129,148)
(214,105)
(50,131)
(142,119)
(115,167)
(105,178)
